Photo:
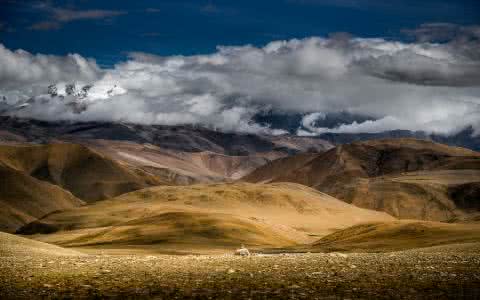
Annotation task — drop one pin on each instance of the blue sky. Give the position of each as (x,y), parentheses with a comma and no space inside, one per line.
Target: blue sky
(107,30)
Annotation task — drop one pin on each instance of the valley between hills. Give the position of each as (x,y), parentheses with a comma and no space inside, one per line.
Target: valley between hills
(119,210)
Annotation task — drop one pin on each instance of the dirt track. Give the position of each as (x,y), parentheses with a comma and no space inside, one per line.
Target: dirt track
(400,275)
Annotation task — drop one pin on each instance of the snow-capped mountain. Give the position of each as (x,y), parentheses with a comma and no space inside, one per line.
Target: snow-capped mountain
(75,97)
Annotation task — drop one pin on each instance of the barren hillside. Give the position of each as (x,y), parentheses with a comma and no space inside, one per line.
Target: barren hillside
(405,177)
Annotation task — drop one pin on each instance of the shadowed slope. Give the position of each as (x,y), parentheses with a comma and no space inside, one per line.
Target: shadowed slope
(398,235)
(87,174)
(404,177)
(23,199)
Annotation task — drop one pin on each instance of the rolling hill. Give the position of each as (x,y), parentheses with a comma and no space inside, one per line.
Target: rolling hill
(408,178)
(398,235)
(215,216)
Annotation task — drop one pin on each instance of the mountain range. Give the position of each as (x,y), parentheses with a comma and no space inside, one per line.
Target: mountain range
(125,188)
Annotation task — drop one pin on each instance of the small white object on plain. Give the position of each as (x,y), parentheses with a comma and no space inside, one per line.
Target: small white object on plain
(242,251)
(338,254)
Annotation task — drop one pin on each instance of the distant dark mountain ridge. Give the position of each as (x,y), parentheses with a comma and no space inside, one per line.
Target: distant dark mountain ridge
(463,139)
(292,122)
(187,138)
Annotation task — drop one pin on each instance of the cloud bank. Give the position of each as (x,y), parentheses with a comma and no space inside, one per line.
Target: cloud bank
(420,85)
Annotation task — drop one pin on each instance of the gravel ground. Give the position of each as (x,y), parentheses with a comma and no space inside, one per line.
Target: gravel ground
(400,275)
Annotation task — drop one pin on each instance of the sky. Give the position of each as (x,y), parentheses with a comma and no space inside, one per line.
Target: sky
(407,64)
(107,30)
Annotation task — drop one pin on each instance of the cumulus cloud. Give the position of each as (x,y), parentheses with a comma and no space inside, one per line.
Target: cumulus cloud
(25,80)
(22,71)
(415,86)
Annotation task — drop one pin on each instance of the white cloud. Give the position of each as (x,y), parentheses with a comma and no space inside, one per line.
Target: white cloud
(20,69)
(414,86)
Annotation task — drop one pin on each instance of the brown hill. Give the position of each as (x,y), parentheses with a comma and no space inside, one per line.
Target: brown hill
(85,173)
(24,199)
(214,216)
(407,178)
(398,235)
(275,169)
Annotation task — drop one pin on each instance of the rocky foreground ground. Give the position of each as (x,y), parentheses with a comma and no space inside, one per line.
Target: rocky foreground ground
(413,274)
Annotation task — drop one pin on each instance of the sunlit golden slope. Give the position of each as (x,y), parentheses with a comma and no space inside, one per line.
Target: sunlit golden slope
(204,216)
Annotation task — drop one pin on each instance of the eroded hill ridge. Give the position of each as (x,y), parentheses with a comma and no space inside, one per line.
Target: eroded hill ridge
(408,178)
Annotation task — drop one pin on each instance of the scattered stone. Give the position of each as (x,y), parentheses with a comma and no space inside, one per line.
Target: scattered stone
(312,276)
